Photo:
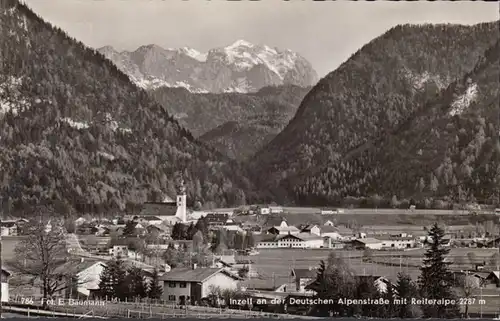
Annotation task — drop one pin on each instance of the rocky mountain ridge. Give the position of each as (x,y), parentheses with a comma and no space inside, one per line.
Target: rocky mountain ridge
(240,67)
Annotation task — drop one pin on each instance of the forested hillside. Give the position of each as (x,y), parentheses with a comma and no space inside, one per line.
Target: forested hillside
(367,98)
(447,152)
(236,124)
(200,113)
(74,131)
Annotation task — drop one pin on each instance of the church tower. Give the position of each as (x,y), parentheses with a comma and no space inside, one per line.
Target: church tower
(181,201)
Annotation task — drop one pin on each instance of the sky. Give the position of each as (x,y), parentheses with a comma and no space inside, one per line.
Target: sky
(325,33)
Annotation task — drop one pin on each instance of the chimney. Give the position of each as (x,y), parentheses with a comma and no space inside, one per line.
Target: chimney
(195,266)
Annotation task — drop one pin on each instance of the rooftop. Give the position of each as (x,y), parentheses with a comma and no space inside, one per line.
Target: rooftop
(193,275)
(159,209)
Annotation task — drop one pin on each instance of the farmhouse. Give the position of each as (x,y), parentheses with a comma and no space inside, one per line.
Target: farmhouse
(191,285)
(5,284)
(88,275)
(298,240)
(283,229)
(397,241)
(328,212)
(367,243)
(303,277)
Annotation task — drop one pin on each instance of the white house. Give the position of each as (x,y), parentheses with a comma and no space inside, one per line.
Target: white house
(283,229)
(5,284)
(398,242)
(302,278)
(264,210)
(367,243)
(88,275)
(312,229)
(276,209)
(191,285)
(328,212)
(329,223)
(298,240)
(79,221)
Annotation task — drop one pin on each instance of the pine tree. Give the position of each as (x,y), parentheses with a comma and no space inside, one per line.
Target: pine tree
(405,290)
(436,280)
(155,291)
(105,283)
(191,230)
(129,228)
(136,283)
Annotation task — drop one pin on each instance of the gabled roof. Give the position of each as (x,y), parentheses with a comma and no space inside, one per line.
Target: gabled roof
(76,266)
(329,229)
(368,240)
(194,275)
(285,228)
(494,274)
(149,218)
(158,209)
(304,273)
(6,270)
(301,236)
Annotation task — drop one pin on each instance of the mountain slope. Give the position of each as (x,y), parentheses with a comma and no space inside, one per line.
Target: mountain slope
(76,132)
(239,67)
(449,150)
(368,96)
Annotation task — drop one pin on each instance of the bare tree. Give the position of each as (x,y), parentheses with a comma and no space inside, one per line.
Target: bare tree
(468,285)
(43,254)
(472,258)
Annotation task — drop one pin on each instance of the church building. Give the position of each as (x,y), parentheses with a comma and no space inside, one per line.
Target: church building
(168,210)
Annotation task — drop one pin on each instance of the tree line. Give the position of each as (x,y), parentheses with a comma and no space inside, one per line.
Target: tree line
(335,280)
(116,281)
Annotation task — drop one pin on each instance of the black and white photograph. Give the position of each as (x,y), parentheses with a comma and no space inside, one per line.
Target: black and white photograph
(250,159)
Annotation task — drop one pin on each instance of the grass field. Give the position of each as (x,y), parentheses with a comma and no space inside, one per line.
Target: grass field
(277,263)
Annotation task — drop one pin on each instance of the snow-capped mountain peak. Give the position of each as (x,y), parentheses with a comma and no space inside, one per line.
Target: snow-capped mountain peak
(193,53)
(238,67)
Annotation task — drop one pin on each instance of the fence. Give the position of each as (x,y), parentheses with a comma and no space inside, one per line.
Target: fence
(138,309)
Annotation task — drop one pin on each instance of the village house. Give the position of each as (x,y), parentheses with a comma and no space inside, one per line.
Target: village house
(5,284)
(367,243)
(302,278)
(283,229)
(264,210)
(328,212)
(331,243)
(147,220)
(380,282)
(276,209)
(230,225)
(215,220)
(492,280)
(83,275)
(329,223)
(160,230)
(191,285)
(399,241)
(298,240)
(236,266)
(8,228)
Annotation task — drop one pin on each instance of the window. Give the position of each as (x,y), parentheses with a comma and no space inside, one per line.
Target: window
(171,284)
(171,297)
(182,284)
